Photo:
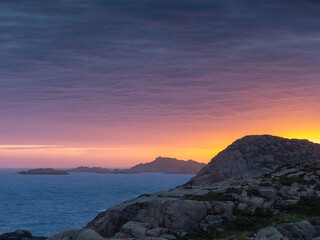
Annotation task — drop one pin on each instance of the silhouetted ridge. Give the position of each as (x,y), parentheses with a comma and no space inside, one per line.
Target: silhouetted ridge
(168,165)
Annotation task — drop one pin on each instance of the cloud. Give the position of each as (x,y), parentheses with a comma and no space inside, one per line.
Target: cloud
(118,61)
(56,148)
(27,147)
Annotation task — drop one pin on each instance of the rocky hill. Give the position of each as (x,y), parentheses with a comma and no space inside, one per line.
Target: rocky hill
(169,165)
(279,201)
(256,155)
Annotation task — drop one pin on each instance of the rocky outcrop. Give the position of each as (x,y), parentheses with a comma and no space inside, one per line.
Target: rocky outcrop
(43,171)
(20,235)
(280,202)
(288,198)
(169,165)
(254,156)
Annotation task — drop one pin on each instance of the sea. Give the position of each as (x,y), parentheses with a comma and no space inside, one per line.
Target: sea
(48,204)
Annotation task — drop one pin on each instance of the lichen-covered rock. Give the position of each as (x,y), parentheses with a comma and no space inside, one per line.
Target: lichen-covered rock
(269,233)
(300,230)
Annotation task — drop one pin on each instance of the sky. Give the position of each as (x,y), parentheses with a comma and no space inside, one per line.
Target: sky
(113,83)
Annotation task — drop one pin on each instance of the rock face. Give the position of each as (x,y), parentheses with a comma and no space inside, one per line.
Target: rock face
(43,171)
(169,165)
(254,156)
(279,202)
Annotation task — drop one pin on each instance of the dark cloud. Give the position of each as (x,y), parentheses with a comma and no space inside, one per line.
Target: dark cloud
(110,59)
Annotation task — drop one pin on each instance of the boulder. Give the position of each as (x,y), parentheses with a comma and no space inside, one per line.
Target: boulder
(269,233)
(183,215)
(67,235)
(222,208)
(255,202)
(299,230)
(87,234)
(268,192)
(84,234)
(242,206)
(134,229)
(155,232)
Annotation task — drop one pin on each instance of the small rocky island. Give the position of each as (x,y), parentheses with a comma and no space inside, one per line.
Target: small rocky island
(90,169)
(260,187)
(43,171)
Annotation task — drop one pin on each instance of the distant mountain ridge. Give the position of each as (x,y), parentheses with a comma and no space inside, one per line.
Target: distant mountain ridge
(169,165)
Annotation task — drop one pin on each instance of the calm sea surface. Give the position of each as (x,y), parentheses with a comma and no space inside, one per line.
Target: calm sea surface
(48,204)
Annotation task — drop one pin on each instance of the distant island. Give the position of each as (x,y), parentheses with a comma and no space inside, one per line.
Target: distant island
(169,165)
(43,171)
(90,169)
(160,164)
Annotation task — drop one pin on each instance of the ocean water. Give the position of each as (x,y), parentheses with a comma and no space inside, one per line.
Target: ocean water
(48,204)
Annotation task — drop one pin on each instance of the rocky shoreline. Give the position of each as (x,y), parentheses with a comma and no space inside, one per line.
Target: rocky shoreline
(282,204)
(241,200)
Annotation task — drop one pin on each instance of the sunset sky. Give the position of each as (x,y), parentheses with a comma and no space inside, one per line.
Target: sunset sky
(113,83)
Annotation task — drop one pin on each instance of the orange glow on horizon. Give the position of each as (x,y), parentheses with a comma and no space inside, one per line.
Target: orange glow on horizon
(129,144)
(62,156)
